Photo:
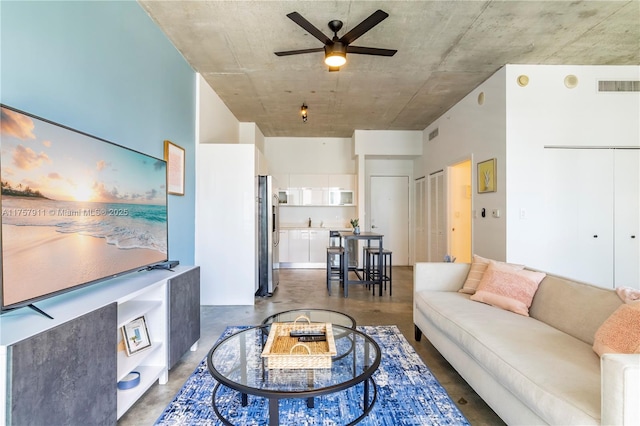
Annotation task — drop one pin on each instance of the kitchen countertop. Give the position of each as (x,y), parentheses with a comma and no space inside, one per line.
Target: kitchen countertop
(316,228)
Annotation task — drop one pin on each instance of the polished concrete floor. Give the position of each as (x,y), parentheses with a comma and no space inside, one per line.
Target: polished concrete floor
(306,288)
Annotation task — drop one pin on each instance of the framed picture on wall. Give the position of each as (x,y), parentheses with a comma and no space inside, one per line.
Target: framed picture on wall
(174,156)
(487,176)
(136,336)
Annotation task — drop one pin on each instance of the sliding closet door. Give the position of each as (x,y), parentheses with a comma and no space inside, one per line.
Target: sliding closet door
(437,218)
(579,213)
(627,218)
(420,217)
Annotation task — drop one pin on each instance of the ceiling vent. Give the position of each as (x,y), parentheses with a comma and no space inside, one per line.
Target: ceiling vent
(433,134)
(619,86)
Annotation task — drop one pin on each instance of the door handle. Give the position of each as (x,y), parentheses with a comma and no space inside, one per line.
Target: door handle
(373,226)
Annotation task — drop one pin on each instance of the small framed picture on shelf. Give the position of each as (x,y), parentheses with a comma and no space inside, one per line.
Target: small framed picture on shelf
(136,336)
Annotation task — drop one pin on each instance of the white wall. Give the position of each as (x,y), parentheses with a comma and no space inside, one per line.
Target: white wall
(215,122)
(309,155)
(513,125)
(227,162)
(384,153)
(387,142)
(226,223)
(470,130)
(547,113)
(379,167)
(250,133)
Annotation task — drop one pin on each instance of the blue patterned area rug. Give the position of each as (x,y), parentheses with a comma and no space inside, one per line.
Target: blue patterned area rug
(408,394)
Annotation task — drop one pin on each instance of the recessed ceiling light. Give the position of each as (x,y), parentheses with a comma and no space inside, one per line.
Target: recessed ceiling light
(523,80)
(571,81)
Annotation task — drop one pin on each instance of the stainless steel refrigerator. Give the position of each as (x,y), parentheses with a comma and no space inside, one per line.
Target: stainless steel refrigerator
(268,237)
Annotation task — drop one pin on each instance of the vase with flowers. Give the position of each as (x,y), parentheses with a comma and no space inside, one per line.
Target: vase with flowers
(355,225)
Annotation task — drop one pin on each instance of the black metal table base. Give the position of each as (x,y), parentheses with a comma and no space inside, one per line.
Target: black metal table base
(274,404)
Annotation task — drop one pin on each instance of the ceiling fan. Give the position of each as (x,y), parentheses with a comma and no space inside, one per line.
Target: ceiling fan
(336,49)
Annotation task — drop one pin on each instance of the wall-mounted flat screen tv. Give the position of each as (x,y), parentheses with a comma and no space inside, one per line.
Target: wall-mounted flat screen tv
(76,209)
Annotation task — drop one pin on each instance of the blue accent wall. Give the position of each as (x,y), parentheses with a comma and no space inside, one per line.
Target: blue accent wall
(104,68)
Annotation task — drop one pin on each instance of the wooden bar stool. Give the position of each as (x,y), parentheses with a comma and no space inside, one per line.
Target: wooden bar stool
(334,272)
(371,267)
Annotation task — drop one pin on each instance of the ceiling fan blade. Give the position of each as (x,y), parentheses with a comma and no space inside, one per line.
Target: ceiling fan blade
(364,26)
(370,51)
(299,52)
(308,27)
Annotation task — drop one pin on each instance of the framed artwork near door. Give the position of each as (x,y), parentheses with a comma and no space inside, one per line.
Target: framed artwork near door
(487,176)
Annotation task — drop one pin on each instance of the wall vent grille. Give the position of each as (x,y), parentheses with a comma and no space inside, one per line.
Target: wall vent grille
(434,134)
(619,86)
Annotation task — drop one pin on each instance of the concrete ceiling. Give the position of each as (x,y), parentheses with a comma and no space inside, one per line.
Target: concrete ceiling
(445,50)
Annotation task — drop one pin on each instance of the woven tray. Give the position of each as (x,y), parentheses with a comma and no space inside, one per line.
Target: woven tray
(284,351)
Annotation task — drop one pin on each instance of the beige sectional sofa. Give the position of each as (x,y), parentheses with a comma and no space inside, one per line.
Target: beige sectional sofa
(537,369)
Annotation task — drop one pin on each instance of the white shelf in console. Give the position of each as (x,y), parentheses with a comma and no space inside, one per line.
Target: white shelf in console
(149,373)
(129,311)
(152,362)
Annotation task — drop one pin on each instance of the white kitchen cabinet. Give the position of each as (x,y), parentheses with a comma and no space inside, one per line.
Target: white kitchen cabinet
(283,246)
(298,246)
(339,197)
(307,248)
(308,181)
(319,190)
(318,243)
(314,196)
(342,181)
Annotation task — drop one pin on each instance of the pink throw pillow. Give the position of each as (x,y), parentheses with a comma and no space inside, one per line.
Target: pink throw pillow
(508,288)
(478,266)
(620,333)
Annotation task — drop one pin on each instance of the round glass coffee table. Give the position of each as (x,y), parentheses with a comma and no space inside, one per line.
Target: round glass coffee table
(236,363)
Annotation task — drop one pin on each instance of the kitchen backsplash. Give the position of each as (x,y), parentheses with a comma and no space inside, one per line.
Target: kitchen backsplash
(321,217)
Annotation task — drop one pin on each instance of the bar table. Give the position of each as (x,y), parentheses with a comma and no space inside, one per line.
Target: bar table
(368,236)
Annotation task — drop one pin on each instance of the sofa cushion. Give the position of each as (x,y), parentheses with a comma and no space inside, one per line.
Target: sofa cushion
(476,272)
(555,374)
(504,287)
(573,307)
(620,333)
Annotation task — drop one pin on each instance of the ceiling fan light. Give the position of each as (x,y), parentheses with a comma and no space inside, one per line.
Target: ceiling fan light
(335,59)
(335,54)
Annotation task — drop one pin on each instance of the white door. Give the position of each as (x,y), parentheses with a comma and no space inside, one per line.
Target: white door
(579,209)
(437,222)
(627,221)
(460,211)
(390,214)
(420,220)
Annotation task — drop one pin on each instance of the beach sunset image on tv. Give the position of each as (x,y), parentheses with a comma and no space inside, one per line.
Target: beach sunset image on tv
(75,208)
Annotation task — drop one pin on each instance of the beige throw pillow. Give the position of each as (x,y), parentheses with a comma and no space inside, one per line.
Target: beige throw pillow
(620,333)
(478,266)
(508,288)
